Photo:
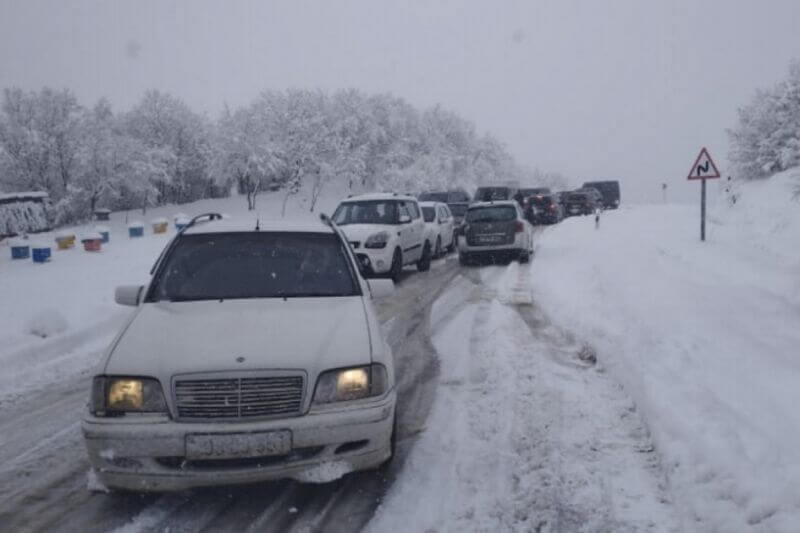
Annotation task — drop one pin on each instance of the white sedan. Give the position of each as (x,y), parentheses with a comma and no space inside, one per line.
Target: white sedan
(254,353)
(439,227)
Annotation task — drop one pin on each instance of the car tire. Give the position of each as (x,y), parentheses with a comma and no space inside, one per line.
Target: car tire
(452,243)
(424,263)
(397,265)
(463,259)
(524,257)
(438,250)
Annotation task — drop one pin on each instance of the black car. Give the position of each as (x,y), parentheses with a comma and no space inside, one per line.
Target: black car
(609,190)
(597,197)
(581,202)
(543,209)
(446,197)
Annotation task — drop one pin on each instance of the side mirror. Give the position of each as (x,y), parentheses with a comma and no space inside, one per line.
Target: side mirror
(404,219)
(380,288)
(128,294)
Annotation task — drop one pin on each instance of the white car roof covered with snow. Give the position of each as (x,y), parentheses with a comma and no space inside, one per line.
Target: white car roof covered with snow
(246,224)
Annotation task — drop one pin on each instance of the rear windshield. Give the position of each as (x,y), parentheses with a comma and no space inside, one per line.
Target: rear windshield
(499,213)
(433,197)
(534,191)
(367,212)
(221,266)
(487,194)
(429,214)
(577,197)
(541,200)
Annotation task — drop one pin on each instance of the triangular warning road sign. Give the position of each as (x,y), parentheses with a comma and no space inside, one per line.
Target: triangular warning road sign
(704,167)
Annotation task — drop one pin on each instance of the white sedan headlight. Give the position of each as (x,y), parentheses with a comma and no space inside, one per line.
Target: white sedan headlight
(351,384)
(113,396)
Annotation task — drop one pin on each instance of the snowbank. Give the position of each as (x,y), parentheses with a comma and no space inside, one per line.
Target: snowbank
(703,335)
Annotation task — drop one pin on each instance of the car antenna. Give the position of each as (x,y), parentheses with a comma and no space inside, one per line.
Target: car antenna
(258,227)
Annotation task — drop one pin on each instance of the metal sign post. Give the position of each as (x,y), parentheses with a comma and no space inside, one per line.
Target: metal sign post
(703,169)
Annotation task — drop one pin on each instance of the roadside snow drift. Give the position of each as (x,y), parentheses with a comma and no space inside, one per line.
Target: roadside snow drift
(704,336)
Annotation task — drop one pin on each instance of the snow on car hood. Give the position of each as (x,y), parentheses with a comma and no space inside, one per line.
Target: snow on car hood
(310,334)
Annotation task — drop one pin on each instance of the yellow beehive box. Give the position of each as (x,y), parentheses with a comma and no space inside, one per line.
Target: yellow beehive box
(65,241)
(160,225)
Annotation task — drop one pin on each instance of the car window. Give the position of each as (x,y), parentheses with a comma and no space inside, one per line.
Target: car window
(433,197)
(413,209)
(500,213)
(221,266)
(429,214)
(488,194)
(367,212)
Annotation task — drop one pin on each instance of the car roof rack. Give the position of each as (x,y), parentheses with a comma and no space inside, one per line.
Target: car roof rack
(207,217)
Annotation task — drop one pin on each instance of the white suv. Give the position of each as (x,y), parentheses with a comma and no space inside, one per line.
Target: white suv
(386,232)
(254,353)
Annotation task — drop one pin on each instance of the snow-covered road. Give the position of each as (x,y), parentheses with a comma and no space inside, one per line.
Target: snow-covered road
(44,471)
(524,434)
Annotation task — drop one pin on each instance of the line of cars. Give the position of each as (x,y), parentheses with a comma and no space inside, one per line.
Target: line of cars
(543,206)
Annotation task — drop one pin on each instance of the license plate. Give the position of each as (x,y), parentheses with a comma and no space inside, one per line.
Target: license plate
(235,445)
(489,238)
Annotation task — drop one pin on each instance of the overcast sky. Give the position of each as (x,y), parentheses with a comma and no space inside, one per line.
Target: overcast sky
(623,89)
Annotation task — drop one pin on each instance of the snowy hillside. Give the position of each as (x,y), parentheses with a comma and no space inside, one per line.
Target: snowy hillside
(705,338)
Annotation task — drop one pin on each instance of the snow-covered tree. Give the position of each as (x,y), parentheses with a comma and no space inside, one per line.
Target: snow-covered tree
(164,123)
(766,139)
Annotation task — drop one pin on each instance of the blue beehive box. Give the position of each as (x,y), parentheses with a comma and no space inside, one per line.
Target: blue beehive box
(181,221)
(20,250)
(104,232)
(136,230)
(41,254)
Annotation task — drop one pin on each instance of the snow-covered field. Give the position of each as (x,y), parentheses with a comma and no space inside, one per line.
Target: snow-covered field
(705,338)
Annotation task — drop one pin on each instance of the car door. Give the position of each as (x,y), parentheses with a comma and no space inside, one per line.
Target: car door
(446,225)
(417,231)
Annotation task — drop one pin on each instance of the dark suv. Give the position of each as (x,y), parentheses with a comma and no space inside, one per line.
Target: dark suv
(543,209)
(608,189)
(582,202)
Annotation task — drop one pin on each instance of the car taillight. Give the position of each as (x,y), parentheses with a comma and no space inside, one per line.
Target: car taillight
(552,207)
(519,227)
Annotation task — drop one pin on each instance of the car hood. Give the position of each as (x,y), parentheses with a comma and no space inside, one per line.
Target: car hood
(309,334)
(360,232)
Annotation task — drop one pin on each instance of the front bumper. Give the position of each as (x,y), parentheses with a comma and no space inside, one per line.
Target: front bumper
(376,260)
(149,453)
